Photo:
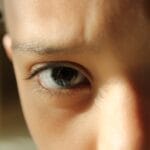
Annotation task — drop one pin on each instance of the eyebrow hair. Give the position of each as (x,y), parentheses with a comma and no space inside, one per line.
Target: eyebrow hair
(41,49)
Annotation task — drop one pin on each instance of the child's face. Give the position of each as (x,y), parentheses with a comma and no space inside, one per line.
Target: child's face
(83,71)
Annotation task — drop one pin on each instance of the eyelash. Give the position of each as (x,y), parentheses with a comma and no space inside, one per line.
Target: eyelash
(51,65)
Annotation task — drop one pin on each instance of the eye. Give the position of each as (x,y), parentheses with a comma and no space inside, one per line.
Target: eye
(62,76)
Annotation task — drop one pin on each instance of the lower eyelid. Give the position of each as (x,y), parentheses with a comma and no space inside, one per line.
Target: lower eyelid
(61,92)
(72,92)
(63,99)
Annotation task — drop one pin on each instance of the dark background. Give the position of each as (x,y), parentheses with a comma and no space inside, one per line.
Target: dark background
(13,131)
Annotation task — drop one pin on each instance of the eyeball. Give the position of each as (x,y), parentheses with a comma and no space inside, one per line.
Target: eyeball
(61,77)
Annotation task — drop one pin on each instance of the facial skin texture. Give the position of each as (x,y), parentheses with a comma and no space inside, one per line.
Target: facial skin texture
(111,40)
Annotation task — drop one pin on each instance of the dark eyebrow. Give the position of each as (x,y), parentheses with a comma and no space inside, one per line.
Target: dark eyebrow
(42,49)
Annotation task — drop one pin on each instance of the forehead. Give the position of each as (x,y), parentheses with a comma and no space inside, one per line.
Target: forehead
(61,22)
(48,18)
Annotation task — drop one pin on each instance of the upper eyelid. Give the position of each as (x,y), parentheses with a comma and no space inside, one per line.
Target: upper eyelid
(54,64)
(38,70)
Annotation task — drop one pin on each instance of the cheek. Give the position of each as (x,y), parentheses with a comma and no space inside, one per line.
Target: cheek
(54,127)
(56,121)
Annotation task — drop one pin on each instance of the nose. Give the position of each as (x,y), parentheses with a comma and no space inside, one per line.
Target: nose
(120,122)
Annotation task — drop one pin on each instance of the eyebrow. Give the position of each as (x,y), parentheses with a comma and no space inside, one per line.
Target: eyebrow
(42,49)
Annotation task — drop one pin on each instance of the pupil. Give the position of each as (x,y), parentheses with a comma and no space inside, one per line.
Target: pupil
(64,76)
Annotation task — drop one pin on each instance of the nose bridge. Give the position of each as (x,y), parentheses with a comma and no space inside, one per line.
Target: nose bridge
(120,125)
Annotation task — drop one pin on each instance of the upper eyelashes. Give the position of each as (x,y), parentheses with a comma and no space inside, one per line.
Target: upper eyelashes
(60,75)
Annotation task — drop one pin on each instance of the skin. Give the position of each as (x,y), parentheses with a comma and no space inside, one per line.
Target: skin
(111,40)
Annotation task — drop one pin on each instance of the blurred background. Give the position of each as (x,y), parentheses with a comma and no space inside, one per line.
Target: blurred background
(13,131)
